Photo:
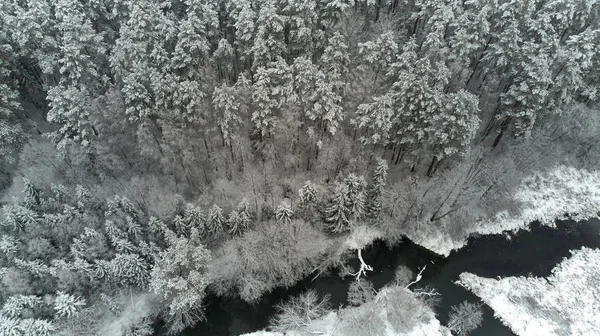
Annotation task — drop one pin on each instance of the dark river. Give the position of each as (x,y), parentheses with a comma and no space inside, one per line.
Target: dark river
(533,252)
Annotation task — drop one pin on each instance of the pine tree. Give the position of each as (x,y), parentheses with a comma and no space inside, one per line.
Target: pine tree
(356,195)
(271,92)
(141,60)
(240,219)
(269,42)
(244,210)
(81,60)
(360,292)
(215,219)
(67,305)
(302,18)
(377,188)
(127,269)
(244,17)
(11,133)
(9,245)
(194,216)
(330,84)
(337,212)
(19,305)
(284,213)
(189,58)
(179,278)
(380,53)
(230,108)
(307,194)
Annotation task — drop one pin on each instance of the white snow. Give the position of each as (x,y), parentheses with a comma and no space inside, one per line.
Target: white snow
(565,303)
(561,193)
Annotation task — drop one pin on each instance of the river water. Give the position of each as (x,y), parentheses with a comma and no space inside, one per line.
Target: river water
(534,252)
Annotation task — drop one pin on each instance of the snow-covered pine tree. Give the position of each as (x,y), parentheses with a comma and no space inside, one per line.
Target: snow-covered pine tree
(377,188)
(82,58)
(465,317)
(194,216)
(330,84)
(141,60)
(284,213)
(11,133)
(179,278)
(360,291)
(239,220)
(234,221)
(269,39)
(307,194)
(21,305)
(337,212)
(215,219)
(67,305)
(230,107)
(302,18)
(271,91)
(244,210)
(128,269)
(243,14)
(356,195)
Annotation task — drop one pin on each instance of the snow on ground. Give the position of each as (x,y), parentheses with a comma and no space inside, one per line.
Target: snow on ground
(395,311)
(565,303)
(564,192)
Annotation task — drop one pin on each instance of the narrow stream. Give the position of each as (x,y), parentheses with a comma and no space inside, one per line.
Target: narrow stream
(534,252)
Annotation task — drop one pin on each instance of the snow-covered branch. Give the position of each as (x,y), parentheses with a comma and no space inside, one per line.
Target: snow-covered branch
(418,278)
(363,266)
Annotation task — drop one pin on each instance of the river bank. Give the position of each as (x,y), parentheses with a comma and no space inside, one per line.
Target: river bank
(559,194)
(487,256)
(565,303)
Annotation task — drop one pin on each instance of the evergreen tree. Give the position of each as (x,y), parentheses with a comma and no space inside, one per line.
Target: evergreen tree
(81,61)
(194,216)
(337,212)
(269,44)
(284,213)
(11,133)
(231,109)
(302,22)
(215,219)
(67,305)
(307,194)
(179,278)
(377,188)
(271,91)
(127,269)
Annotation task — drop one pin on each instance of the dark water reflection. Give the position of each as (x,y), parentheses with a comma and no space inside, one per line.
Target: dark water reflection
(533,252)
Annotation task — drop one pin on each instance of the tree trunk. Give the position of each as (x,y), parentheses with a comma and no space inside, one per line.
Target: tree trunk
(503,128)
(431,165)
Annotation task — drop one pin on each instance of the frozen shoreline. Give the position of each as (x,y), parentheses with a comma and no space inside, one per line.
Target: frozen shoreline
(565,303)
(562,193)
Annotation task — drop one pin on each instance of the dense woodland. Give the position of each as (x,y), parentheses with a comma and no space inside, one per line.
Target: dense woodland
(156,151)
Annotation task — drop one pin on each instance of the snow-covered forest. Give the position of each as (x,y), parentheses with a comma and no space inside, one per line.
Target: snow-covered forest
(155,151)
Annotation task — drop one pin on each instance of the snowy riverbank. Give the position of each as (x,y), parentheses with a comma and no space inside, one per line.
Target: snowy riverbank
(394,311)
(565,303)
(564,192)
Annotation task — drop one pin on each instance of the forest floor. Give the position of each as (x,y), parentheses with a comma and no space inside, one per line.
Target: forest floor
(565,303)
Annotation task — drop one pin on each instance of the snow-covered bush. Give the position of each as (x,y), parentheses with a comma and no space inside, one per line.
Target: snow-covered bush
(465,317)
(300,311)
